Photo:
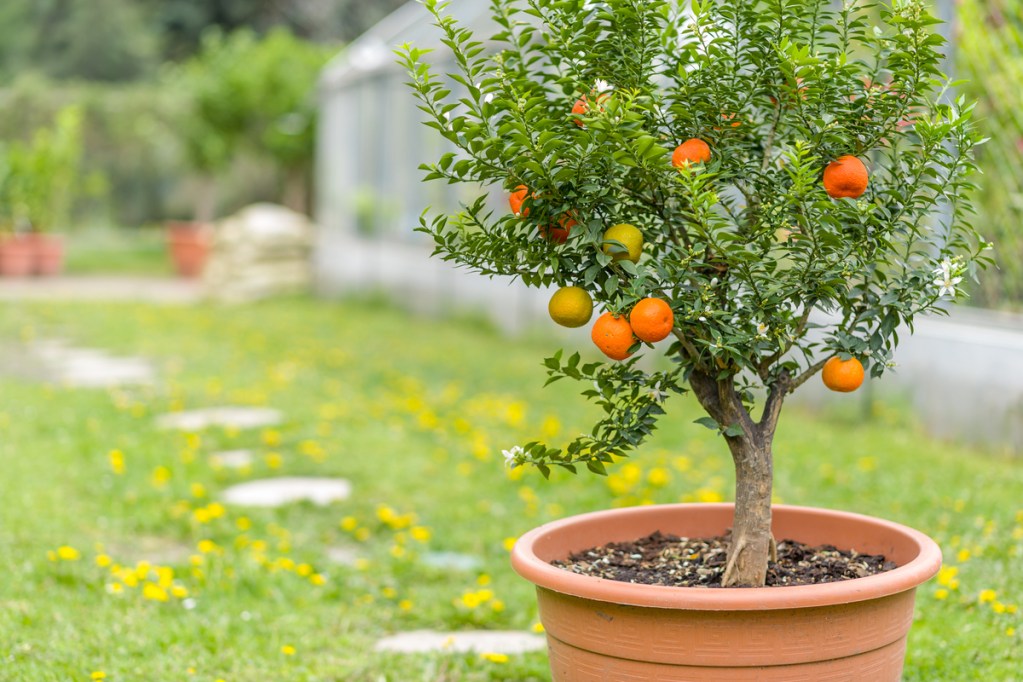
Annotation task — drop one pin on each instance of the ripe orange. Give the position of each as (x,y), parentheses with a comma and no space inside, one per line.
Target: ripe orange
(843,376)
(517,198)
(613,336)
(846,176)
(560,233)
(652,319)
(691,151)
(628,236)
(582,107)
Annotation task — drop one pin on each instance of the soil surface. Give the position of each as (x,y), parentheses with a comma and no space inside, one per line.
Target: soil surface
(660,559)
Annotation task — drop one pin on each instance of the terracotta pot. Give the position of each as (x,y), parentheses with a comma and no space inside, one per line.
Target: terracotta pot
(47,253)
(16,256)
(603,630)
(189,245)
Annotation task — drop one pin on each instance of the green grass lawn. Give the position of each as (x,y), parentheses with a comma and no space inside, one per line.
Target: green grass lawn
(117,251)
(414,412)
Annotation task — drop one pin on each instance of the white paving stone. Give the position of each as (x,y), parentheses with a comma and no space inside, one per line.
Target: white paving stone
(90,368)
(275,492)
(451,561)
(233,459)
(470,641)
(236,417)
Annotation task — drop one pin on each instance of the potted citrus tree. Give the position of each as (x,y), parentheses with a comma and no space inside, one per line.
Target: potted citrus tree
(43,179)
(763,192)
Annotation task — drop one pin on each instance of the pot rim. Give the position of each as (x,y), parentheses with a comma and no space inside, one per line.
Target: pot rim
(918,570)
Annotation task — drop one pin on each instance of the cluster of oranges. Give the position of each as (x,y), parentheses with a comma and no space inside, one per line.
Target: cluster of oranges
(652,319)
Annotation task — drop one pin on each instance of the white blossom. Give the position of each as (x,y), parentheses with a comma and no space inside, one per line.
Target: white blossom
(947,285)
(513,457)
(602,85)
(657,393)
(762,330)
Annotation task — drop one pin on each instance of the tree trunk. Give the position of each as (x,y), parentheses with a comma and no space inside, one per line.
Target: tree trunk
(752,544)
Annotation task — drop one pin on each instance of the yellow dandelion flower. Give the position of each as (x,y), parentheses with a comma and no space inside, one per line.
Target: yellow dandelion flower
(102,560)
(67,553)
(420,533)
(470,600)
(537,628)
(206,546)
(405,605)
(986,596)
(304,570)
(508,543)
(318,579)
(362,564)
(497,605)
(196,560)
(946,574)
(115,588)
(130,579)
(362,534)
(116,459)
(658,477)
(998,607)
(941,593)
(708,495)
(201,515)
(179,591)
(154,592)
(494,658)
(483,580)
(1009,632)
(243,523)
(271,437)
(349,523)
(1011,608)
(51,555)
(389,592)
(273,460)
(160,476)
(198,490)
(216,510)
(397,551)
(98,675)
(288,650)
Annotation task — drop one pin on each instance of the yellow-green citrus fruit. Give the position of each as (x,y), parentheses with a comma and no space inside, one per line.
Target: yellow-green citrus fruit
(570,307)
(630,236)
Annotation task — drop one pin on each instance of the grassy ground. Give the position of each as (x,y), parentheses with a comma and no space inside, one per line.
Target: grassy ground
(109,251)
(414,412)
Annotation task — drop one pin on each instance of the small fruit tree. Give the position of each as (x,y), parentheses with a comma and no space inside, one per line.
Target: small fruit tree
(776,186)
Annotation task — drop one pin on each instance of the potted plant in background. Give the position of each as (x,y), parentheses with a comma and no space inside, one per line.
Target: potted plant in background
(772,190)
(42,183)
(15,251)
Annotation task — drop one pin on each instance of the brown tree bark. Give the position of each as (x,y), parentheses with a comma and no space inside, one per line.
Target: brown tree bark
(752,544)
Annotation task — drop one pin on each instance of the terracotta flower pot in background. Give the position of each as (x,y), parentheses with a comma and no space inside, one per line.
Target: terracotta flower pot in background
(47,253)
(16,256)
(599,630)
(189,245)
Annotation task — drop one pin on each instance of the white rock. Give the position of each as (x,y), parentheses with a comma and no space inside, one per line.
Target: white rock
(471,641)
(275,492)
(236,417)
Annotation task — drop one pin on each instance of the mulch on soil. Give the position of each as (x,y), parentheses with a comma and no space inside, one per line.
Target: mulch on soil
(660,559)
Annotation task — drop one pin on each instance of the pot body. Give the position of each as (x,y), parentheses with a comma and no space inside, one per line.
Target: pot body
(601,630)
(47,254)
(16,256)
(189,245)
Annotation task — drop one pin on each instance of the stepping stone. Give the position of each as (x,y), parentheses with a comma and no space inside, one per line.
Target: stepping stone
(275,492)
(88,368)
(451,561)
(343,556)
(232,459)
(236,417)
(471,641)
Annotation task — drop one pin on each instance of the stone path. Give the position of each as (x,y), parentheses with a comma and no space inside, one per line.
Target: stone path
(231,417)
(469,641)
(89,368)
(102,288)
(275,492)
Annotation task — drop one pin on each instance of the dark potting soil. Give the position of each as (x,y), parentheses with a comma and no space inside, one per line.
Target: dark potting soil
(660,559)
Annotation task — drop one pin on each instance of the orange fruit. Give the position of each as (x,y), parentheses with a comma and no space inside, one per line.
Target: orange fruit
(570,306)
(843,376)
(582,107)
(629,236)
(560,233)
(691,151)
(652,319)
(613,336)
(846,176)
(517,198)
